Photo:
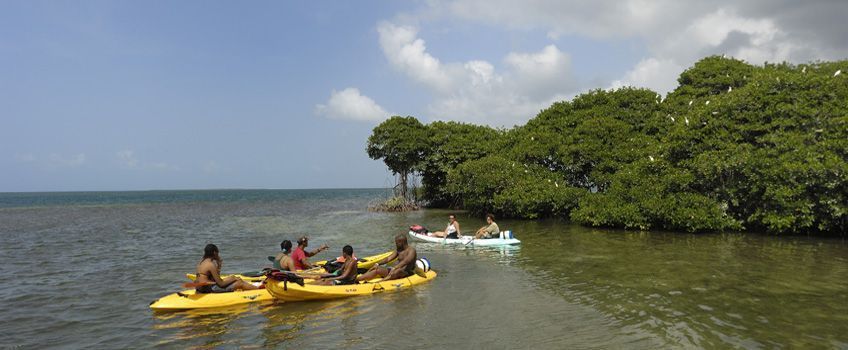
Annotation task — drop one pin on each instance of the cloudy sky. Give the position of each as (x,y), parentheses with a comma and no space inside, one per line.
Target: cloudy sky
(119,95)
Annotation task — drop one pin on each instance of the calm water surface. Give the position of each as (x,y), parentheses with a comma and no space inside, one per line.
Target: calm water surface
(81,268)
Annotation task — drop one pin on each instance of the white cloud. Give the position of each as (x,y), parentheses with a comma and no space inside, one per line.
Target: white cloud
(128,160)
(212,167)
(351,104)
(475,91)
(70,161)
(407,52)
(25,158)
(675,33)
(660,75)
(53,160)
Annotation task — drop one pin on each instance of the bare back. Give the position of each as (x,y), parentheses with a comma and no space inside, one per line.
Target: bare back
(207,271)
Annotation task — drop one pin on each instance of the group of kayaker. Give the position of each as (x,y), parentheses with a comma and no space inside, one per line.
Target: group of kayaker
(490,230)
(297,260)
(209,268)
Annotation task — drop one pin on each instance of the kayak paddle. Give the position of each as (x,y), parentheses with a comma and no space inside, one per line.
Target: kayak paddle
(196,284)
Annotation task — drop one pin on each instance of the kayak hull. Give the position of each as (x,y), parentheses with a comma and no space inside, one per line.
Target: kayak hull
(291,292)
(465,240)
(191,300)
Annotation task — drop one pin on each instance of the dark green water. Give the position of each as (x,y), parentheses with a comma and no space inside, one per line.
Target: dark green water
(81,269)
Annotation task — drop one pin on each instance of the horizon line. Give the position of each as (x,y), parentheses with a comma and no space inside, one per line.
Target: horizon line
(202,189)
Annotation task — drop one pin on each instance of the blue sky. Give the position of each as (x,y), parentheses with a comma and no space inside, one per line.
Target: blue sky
(118,95)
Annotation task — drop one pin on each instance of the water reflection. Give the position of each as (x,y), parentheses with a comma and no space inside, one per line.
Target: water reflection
(698,290)
(203,328)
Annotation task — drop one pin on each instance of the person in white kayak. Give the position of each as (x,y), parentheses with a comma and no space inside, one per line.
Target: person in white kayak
(452,231)
(491,230)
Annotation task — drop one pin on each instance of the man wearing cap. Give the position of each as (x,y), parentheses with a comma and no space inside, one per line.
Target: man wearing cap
(300,254)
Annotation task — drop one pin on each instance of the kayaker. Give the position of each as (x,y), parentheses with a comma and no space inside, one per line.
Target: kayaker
(300,254)
(404,267)
(491,230)
(348,270)
(452,231)
(209,271)
(283,261)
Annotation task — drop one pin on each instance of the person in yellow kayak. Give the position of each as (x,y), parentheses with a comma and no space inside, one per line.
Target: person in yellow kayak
(209,272)
(452,231)
(300,254)
(283,261)
(404,267)
(348,270)
(491,230)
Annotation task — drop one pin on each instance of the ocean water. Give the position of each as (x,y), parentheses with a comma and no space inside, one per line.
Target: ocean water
(81,268)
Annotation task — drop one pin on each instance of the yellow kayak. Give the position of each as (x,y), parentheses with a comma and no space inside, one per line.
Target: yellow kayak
(364,263)
(190,299)
(288,291)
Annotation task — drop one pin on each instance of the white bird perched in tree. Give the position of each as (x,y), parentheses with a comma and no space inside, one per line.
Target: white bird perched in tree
(724,55)
(690,102)
(837,73)
(672,119)
(556,184)
(686,119)
(804,70)
(729,88)
(651,158)
(714,113)
(708,102)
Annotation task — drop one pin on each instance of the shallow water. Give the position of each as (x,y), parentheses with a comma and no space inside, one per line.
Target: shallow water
(81,269)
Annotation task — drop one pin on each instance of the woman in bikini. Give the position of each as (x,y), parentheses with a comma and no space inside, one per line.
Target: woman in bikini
(452,231)
(209,272)
(283,261)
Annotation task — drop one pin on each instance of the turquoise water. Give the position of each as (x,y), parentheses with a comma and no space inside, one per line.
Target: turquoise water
(82,267)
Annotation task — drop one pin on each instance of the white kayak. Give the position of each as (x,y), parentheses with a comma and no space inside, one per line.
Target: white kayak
(505,238)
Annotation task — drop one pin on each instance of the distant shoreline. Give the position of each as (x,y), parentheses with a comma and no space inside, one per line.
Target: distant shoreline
(196,190)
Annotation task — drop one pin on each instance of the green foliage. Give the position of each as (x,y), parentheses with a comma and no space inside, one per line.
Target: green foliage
(495,184)
(400,142)
(647,194)
(772,150)
(451,144)
(590,138)
(735,146)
